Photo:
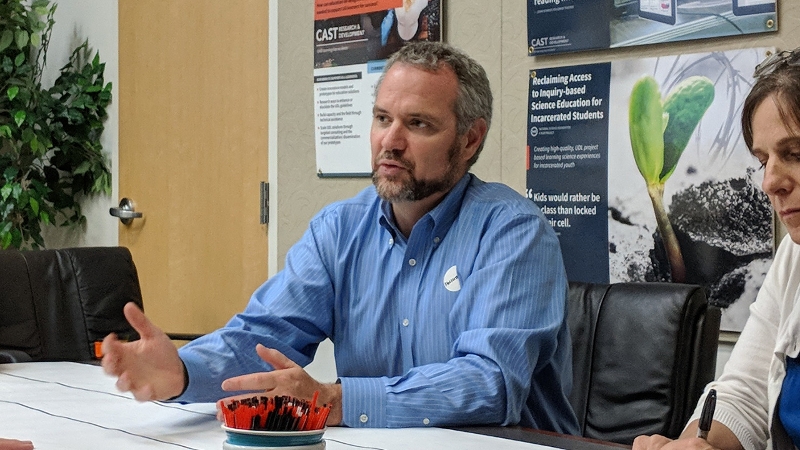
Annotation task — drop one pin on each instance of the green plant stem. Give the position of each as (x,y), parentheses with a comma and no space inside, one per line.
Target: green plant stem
(668,237)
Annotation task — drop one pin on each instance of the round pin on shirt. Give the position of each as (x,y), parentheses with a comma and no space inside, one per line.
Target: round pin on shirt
(451,281)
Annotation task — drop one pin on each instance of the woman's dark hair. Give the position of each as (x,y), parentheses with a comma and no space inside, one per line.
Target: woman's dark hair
(777,76)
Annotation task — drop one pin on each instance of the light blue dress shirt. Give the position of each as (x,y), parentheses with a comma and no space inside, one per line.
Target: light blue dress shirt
(462,323)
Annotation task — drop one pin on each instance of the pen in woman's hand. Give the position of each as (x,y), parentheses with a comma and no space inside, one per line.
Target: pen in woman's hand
(707,415)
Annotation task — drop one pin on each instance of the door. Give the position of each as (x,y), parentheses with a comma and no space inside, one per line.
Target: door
(192,153)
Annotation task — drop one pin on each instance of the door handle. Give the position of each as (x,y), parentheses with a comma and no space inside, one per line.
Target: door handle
(126,211)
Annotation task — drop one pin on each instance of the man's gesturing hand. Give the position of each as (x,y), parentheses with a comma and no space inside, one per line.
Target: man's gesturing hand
(150,368)
(289,379)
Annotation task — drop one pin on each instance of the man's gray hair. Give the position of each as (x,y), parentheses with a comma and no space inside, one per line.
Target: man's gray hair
(474,100)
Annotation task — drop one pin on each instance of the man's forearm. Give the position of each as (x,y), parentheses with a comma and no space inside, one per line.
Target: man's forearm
(437,394)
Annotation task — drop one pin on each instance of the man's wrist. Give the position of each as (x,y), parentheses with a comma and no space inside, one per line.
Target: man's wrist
(333,398)
(185,382)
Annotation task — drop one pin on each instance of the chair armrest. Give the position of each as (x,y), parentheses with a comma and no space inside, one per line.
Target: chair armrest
(14,356)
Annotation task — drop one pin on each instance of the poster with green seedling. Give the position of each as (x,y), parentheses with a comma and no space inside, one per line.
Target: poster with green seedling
(659,130)
(680,193)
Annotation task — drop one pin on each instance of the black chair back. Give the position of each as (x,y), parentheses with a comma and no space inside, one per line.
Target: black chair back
(56,304)
(642,353)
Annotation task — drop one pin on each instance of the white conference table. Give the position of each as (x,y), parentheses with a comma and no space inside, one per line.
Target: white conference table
(64,406)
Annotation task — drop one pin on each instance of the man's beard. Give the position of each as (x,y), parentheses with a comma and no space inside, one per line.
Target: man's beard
(406,188)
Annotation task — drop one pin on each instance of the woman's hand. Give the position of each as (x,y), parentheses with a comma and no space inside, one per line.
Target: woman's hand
(13,444)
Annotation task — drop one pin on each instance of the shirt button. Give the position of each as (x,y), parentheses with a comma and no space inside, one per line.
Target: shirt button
(412,262)
(436,240)
(391,242)
(425,421)
(405,322)
(363,418)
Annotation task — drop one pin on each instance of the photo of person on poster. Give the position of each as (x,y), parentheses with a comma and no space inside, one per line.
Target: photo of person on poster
(375,35)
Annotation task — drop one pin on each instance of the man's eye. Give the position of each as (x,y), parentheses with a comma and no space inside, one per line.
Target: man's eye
(418,124)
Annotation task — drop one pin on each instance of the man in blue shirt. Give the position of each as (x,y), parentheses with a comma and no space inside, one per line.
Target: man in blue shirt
(444,296)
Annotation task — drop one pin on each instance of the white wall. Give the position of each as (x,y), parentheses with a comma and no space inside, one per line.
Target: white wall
(75,22)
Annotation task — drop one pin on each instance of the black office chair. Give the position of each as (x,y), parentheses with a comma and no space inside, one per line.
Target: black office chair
(56,304)
(642,353)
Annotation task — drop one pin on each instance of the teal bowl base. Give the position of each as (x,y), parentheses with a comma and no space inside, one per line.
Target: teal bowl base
(315,446)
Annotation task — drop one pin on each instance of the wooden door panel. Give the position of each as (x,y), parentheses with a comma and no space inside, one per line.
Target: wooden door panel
(193,150)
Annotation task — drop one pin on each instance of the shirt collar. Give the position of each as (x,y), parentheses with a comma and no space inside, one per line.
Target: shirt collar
(443,215)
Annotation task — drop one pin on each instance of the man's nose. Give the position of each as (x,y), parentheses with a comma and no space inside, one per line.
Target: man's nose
(394,137)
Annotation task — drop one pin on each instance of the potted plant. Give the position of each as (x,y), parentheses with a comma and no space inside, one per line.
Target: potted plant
(50,152)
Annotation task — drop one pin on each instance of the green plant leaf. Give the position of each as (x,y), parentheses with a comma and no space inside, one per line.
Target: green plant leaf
(7,65)
(12,92)
(5,39)
(16,238)
(22,39)
(5,240)
(51,152)
(39,187)
(27,135)
(646,122)
(686,104)
(38,240)
(10,173)
(25,95)
(36,147)
(19,117)
(21,198)
(5,210)
(74,116)
(102,184)
(16,191)
(82,168)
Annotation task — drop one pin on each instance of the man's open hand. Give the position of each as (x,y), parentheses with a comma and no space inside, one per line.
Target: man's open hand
(288,379)
(150,368)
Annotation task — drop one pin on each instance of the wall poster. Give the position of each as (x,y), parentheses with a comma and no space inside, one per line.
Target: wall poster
(352,40)
(557,26)
(640,167)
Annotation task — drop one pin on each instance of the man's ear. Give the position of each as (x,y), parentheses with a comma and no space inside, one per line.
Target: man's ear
(473,138)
